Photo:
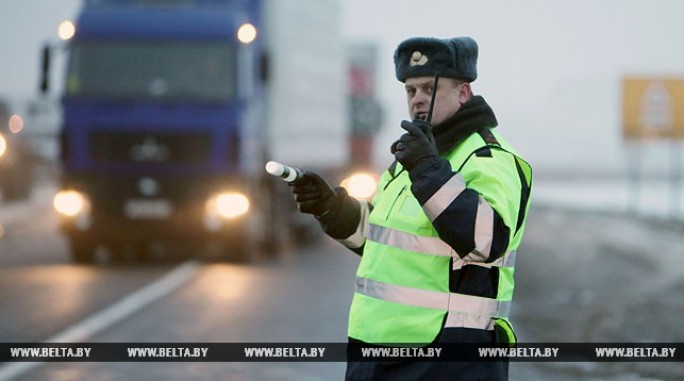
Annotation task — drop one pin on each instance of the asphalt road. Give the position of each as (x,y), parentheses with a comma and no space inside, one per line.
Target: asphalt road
(581,277)
(302,297)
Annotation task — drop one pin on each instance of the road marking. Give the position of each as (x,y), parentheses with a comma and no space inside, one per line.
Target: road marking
(113,314)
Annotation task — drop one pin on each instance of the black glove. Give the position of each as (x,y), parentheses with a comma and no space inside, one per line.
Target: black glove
(416,145)
(314,195)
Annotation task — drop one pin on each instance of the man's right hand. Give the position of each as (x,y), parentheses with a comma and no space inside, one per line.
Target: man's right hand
(313,194)
(416,145)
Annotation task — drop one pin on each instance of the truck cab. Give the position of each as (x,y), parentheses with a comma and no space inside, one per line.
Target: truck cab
(161,138)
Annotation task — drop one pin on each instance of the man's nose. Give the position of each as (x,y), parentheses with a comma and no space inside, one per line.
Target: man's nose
(420,98)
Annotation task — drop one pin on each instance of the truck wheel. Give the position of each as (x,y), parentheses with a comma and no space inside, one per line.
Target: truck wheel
(143,252)
(82,250)
(117,253)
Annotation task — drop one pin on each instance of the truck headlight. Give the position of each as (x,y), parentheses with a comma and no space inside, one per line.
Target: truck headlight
(247,33)
(227,205)
(361,185)
(3,145)
(70,203)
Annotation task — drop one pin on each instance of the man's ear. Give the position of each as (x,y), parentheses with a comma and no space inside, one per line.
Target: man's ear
(465,93)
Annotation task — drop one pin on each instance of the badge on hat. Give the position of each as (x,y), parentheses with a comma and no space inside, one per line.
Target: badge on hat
(418,59)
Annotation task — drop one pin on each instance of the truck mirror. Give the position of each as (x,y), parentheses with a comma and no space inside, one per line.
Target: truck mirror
(45,70)
(264,70)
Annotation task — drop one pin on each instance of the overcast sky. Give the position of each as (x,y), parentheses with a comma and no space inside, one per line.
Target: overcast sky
(25,26)
(552,70)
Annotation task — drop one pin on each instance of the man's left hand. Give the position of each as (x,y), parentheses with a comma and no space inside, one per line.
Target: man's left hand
(414,146)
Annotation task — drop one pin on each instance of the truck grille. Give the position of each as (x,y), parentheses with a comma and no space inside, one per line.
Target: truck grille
(106,146)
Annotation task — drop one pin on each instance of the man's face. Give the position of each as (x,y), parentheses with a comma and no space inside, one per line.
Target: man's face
(451,94)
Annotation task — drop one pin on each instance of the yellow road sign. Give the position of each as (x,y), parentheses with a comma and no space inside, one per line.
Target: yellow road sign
(653,108)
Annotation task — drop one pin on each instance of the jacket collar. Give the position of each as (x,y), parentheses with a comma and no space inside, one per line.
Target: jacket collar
(471,117)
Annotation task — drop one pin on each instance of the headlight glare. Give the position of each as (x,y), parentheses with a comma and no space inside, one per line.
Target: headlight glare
(361,185)
(228,205)
(70,203)
(3,145)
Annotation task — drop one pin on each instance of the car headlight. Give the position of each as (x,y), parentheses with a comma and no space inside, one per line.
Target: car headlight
(361,185)
(70,203)
(228,205)
(3,145)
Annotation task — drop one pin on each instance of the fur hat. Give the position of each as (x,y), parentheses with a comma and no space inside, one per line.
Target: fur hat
(425,56)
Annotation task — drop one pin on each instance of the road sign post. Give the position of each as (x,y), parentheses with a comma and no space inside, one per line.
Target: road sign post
(653,108)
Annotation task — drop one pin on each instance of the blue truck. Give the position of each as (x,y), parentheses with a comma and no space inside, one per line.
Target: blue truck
(170,110)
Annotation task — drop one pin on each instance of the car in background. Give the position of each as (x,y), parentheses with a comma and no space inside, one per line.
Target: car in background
(16,159)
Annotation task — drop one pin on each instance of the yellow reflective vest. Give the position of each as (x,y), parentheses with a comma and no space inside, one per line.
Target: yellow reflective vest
(402,290)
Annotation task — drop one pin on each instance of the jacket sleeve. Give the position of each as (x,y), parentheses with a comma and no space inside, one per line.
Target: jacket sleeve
(472,209)
(348,222)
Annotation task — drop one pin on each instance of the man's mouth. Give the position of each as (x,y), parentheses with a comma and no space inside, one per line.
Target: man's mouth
(421,116)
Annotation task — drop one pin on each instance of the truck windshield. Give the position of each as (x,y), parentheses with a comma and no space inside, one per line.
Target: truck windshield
(164,71)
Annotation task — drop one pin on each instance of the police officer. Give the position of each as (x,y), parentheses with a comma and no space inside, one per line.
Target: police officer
(438,241)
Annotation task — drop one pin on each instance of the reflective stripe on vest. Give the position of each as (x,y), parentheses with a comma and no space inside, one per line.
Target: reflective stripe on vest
(444,196)
(484,220)
(429,245)
(463,310)
(484,231)
(410,242)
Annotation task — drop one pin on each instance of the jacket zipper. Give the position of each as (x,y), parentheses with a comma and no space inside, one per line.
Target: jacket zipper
(394,202)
